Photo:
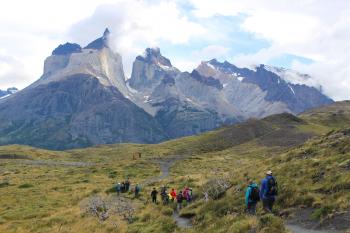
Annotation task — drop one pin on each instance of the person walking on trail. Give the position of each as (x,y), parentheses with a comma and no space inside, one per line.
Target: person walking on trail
(173,194)
(137,190)
(164,195)
(127,185)
(268,191)
(118,188)
(179,199)
(154,195)
(252,197)
(122,187)
(163,190)
(186,195)
(190,195)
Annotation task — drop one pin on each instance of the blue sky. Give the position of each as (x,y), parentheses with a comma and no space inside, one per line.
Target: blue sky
(234,39)
(309,36)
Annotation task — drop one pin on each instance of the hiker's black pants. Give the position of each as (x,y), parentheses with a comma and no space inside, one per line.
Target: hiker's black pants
(154,199)
(251,208)
(268,204)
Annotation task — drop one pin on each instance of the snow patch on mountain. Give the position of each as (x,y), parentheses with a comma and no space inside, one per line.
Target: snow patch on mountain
(146,97)
(3,97)
(211,66)
(240,78)
(291,88)
(165,67)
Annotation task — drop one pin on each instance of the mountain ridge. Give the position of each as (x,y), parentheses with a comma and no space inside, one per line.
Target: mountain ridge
(175,103)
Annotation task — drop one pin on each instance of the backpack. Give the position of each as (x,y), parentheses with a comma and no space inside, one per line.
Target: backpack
(179,197)
(254,194)
(272,187)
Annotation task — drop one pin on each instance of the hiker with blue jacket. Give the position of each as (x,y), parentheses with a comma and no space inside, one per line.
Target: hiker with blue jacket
(118,188)
(268,191)
(252,197)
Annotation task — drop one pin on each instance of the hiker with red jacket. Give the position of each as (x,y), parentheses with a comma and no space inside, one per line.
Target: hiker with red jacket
(252,197)
(173,194)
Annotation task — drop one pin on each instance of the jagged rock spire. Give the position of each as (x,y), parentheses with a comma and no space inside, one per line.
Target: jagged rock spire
(106,33)
(100,42)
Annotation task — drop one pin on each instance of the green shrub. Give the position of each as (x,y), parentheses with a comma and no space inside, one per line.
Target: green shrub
(4,184)
(167,211)
(321,212)
(111,190)
(306,200)
(112,174)
(24,186)
(146,217)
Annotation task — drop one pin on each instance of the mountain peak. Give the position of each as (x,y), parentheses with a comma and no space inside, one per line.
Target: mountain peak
(153,56)
(100,43)
(106,33)
(67,48)
(155,51)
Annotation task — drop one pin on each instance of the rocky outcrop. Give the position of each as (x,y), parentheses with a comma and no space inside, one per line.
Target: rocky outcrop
(8,92)
(149,70)
(67,48)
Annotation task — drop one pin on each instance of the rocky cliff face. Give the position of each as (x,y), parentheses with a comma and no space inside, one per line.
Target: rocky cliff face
(96,59)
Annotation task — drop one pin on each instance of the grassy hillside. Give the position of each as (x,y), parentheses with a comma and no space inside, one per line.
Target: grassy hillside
(47,191)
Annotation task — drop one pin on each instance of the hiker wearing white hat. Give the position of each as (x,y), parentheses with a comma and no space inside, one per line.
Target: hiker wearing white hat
(268,191)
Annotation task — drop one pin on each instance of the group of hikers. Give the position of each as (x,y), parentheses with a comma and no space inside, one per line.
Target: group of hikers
(124,187)
(267,193)
(185,195)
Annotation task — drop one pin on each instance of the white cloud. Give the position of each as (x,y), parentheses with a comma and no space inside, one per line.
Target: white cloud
(12,71)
